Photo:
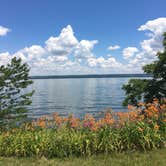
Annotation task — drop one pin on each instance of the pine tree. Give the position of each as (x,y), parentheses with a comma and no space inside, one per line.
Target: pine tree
(148,89)
(14,80)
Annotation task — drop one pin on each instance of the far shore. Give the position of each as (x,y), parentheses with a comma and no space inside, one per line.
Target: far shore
(90,76)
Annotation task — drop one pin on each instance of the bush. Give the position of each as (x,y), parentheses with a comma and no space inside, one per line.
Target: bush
(70,136)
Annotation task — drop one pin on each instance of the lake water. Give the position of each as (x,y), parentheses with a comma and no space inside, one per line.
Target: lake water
(78,96)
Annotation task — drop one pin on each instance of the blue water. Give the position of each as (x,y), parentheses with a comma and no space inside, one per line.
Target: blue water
(78,96)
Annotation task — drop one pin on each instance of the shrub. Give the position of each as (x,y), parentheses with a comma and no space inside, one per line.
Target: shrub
(69,136)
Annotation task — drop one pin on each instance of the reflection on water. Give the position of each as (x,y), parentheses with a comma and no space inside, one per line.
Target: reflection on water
(78,96)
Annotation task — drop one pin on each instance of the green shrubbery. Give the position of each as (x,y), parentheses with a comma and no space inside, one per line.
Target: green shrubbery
(71,136)
(69,142)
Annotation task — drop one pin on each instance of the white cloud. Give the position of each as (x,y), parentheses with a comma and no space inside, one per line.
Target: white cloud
(53,58)
(29,54)
(4,58)
(62,44)
(149,47)
(3,31)
(129,52)
(83,49)
(157,26)
(101,62)
(116,47)
(65,54)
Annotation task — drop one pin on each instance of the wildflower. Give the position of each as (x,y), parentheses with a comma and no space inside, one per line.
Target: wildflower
(108,120)
(88,121)
(74,122)
(148,113)
(149,121)
(140,129)
(58,119)
(155,101)
(156,127)
(130,107)
(140,104)
(42,123)
(141,117)
(94,127)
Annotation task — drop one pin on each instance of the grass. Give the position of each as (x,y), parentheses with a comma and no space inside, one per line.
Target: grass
(150,158)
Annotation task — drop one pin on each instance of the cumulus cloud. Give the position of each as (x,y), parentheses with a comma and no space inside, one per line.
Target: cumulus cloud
(149,47)
(129,52)
(101,62)
(63,44)
(53,57)
(29,54)
(4,31)
(65,54)
(152,45)
(83,49)
(116,47)
(157,26)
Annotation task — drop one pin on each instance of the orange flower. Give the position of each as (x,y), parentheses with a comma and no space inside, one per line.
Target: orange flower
(156,127)
(57,118)
(108,120)
(140,104)
(130,107)
(42,123)
(74,122)
(155,101)
(88,121)
(94,127)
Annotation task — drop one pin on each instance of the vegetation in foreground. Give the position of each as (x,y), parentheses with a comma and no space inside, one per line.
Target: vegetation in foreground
(149,158)
(70,136)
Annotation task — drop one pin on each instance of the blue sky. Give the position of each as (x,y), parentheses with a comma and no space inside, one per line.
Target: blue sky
(108,22)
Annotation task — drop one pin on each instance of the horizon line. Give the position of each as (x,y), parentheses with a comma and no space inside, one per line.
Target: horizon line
(89,76)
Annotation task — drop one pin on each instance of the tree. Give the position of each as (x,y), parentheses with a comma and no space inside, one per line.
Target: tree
(148,89)
(14,97)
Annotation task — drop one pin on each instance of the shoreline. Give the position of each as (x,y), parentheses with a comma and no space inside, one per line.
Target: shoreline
(90,76)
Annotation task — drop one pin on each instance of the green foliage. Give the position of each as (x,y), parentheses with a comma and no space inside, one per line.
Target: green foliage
(127,133)
(14,80)
(135,90)
(150,158)
(66,142)
(148,89)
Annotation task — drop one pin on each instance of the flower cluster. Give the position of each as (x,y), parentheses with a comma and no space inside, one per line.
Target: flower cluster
(142,128)
(145,112)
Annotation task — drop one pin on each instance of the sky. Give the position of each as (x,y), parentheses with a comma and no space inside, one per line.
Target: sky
(58,37)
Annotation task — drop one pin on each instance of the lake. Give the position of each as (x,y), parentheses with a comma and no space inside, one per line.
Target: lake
(78,96)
